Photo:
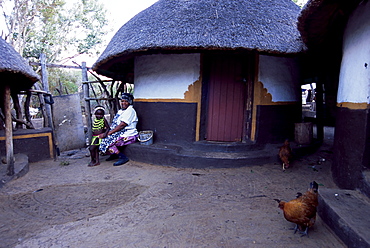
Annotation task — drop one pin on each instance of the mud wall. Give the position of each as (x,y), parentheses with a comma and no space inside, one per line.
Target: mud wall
(68,124)
(352,133)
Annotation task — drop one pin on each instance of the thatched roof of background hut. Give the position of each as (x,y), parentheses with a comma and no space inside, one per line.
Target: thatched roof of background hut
(322,22)
(268,26)
(14,70)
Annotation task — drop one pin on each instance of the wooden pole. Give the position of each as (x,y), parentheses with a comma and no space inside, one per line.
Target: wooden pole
(45,83)
(42,104)
(8,131)
(320,110)
(87,102)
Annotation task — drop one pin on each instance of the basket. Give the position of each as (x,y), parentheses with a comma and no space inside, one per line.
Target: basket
(145,137)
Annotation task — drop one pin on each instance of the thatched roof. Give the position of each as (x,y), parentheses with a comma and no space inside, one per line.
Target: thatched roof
(322,22)
(14,69)
(268,26)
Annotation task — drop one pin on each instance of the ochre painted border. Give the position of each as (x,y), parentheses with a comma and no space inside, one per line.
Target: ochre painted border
(262,97)
(352,105)
(27,136)
(192,95)
(164,100)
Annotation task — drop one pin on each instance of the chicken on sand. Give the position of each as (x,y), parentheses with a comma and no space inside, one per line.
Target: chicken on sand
(285,154)
(302,210)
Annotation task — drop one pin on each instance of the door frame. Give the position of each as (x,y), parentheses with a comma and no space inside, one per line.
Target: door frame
(250,60)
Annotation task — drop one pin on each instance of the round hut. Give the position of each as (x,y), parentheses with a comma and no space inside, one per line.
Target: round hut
(206,71)
(15,75)
(337,35)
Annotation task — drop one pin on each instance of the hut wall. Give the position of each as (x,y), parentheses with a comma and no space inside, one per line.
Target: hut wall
(165,76)
(167,96)
(352,133)
(277,99)
(280,76)
(37,144)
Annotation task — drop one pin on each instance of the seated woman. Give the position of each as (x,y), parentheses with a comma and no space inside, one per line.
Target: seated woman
(122,131)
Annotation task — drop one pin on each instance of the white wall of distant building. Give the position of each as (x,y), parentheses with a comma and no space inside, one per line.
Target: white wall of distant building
(354,78)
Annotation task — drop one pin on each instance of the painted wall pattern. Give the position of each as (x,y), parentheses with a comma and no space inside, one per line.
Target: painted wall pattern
(165,76)
(280,76)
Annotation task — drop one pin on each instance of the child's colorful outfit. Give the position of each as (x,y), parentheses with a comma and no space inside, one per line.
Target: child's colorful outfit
(98,125)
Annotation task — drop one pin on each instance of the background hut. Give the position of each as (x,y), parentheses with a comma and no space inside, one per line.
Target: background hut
(203,70)
(15,75)
(337,36)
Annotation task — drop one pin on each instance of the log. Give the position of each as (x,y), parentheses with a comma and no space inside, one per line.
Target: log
(8,132)
(303,133)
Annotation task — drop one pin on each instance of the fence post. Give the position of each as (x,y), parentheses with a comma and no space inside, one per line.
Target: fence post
(41,98)
(85,87)
(45,83)
(47,107)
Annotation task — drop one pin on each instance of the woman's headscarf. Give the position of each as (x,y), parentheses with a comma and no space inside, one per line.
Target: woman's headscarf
(128,97)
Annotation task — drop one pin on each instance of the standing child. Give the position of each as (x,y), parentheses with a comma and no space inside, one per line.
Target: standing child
(99,126)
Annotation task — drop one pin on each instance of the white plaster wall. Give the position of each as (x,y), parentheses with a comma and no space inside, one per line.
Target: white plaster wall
(165,76)
(354,78)
(280,76)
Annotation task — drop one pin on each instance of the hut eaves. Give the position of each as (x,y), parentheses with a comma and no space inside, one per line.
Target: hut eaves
(321,23)
(14,69)
(267,26)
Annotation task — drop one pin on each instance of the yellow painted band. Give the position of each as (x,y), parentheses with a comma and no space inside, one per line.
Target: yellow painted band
(351,105)
(165,100)
(27,136)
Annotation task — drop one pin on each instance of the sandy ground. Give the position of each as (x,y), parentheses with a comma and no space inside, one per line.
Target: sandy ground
(64,203)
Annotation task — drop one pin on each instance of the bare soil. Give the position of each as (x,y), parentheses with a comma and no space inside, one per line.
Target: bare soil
(64,203)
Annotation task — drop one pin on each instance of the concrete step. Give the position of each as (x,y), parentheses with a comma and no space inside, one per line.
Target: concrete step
(213,154)
(232,147)
(185,157)
(347,213)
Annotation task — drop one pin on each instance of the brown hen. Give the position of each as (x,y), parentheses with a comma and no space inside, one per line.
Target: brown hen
(302,210)
(285,154)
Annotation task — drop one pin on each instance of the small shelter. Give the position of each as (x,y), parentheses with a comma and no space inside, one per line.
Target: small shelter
(211,71)
(14,69)
(337,35)
(15,76)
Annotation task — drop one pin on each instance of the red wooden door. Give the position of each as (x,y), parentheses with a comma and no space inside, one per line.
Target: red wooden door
(226,99)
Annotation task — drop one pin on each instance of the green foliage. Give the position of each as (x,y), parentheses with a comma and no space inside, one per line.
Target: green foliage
(300,3)
(64,81)
(54,28)
(60,29)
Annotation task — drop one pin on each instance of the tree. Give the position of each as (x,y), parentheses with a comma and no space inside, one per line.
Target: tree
(300,3)
(54,27)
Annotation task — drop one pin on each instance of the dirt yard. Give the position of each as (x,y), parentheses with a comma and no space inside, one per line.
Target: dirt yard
(64,203)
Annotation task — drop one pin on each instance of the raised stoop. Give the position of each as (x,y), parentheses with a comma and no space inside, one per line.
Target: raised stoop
(182,157)
(213,154)
(347,213)
(21,167)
